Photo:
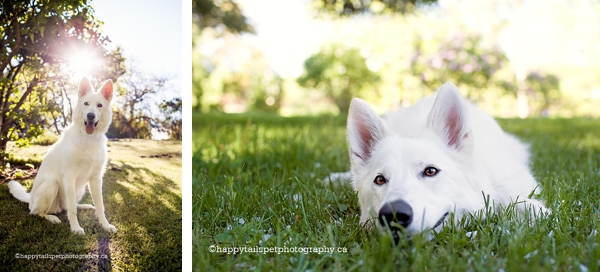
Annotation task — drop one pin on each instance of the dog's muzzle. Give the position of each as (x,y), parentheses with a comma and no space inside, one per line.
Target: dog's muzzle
(90,119)
(396,214)
(399,214)
(89,123)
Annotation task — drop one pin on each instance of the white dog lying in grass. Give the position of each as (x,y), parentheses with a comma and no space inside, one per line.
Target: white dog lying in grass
(416,166)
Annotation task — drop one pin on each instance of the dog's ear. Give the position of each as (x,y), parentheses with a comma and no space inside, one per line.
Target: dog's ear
(107,90)
(365,129)
(449,118)
(85,86)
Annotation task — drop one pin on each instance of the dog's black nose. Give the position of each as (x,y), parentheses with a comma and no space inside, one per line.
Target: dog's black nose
(91,116)
(398,211)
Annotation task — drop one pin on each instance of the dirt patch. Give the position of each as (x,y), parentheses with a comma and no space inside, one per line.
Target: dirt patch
(18,171)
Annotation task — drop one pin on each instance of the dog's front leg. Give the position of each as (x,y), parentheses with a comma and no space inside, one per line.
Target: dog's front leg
(96,191)
(69,185)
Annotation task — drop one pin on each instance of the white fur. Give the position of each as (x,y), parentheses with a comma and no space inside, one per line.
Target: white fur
(77,159)
(443,130)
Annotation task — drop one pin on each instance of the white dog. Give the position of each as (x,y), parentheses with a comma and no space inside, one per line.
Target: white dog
(76,160)
(442,155)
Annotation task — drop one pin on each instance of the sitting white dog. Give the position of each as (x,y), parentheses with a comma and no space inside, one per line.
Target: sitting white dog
(76,160)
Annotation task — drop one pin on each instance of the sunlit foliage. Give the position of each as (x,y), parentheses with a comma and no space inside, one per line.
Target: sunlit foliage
(37,39)
(220,14)
(339,72)
(353,7)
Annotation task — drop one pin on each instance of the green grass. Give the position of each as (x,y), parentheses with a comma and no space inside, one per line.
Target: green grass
(256,182)
(142,197)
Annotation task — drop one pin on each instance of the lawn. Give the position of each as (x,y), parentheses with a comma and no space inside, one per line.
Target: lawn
(142,196)
(257,185)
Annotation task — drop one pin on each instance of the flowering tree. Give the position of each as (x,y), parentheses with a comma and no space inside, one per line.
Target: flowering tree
(461,60)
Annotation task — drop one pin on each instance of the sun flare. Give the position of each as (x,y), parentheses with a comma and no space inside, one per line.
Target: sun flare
(82,63)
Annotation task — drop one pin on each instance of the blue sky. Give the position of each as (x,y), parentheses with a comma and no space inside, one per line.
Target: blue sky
(149,32)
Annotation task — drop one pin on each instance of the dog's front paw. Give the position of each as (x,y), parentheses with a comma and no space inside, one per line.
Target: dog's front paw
(109,228)
(52,218)
(77,230)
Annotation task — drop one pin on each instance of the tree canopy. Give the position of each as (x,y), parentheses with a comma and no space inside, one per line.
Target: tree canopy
(37,39)
(215,14)
(353,7)
(341,73)
(133,115)
(461,59)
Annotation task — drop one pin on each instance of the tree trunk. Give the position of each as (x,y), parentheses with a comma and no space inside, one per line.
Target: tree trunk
(3,154)
(522,99)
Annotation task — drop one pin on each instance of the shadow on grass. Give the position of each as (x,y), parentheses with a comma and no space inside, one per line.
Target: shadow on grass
(148,210)
(143,205)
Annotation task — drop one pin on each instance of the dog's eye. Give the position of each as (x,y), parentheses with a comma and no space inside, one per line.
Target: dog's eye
(430,171)
(380,180)
(99,105)
(86,103)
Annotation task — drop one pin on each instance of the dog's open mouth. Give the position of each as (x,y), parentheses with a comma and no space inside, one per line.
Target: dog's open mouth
(90,126)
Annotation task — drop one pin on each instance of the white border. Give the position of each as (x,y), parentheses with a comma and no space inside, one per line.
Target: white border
(186,143)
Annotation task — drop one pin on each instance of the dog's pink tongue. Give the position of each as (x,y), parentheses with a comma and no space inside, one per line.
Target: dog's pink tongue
(89,128)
